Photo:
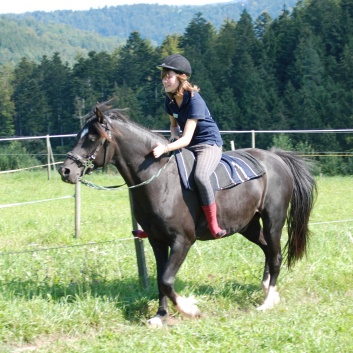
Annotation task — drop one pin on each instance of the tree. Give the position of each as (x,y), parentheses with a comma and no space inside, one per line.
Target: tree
(280,41)
(171,45)
(136,69)
(7,107)
(126,99)
(82,85)
(197,43)
(30,102)
(134,62)
(225,45)
(262,24)
(55,82)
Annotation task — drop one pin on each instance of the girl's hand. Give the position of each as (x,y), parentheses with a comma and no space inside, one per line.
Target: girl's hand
(159,150)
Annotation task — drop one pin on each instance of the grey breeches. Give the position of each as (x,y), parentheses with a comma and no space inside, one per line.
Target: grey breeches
(207,159)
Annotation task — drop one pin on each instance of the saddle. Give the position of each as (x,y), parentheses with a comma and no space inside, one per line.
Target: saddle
(232,169)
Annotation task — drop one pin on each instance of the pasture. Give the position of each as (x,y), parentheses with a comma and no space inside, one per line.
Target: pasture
(61,294)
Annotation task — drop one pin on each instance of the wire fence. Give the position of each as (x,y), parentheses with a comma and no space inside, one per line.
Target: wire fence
(51,164)
(253,134)
(136,238)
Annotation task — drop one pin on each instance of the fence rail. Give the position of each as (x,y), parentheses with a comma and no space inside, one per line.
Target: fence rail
(312,131)
(138,242)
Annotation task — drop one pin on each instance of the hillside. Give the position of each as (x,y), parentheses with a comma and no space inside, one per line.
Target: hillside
(74,33)
(33,39)
(155,21)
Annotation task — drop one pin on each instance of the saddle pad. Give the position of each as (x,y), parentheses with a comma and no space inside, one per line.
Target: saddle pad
(232,170)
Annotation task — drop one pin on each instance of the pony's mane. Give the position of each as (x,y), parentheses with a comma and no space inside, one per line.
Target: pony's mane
(119,115)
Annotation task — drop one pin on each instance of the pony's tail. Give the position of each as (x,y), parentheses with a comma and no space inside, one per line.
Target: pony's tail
(301,205)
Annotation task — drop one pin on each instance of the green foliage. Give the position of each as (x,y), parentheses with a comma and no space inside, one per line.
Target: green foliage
(152,21)
(7,107)
(27,37)
(283,142)
(14,155)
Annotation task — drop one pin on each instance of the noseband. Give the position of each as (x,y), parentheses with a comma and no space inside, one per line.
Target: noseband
(87,163)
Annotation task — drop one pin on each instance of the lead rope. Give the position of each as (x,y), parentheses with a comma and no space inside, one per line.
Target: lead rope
(110,188)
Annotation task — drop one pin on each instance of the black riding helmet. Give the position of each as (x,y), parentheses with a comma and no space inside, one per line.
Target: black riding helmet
(176,62)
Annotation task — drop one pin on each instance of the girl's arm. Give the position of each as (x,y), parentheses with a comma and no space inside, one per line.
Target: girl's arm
(183,141)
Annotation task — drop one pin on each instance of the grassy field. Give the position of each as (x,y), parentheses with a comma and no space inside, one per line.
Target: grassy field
(61,294)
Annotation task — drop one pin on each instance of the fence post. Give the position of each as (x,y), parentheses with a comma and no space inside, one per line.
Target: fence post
(77,209)
(140,251)
(48,156)
(253,138)
(232,145)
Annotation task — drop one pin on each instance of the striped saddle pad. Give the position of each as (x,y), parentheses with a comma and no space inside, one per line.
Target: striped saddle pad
(232,170)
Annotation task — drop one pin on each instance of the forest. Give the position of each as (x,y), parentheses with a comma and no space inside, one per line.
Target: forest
(152,21)
(292,72)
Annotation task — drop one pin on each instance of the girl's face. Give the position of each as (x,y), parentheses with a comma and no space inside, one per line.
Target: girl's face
(170,81)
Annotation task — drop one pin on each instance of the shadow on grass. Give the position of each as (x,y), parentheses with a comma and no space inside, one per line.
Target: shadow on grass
(134,301)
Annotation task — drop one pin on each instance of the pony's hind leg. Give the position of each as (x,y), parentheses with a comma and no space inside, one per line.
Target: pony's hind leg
(272,297)
(273,259)
(272,230)
(266,279)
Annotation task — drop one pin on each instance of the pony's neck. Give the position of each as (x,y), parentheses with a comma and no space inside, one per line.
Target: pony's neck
(134,158)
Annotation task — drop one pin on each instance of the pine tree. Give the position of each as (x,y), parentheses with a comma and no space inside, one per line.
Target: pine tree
(30,102)
(136,69)
(7,107)
(55,81)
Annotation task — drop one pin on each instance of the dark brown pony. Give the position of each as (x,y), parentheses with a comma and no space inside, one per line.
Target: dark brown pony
(172,216)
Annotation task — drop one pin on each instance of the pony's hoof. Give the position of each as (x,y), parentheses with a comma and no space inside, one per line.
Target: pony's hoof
(155,322)
(188,307)
(271,300)
(264,307)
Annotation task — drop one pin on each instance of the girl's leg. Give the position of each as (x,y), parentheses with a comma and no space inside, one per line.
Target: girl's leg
(207,159)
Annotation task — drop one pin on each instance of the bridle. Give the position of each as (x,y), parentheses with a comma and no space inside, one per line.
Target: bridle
(87,163)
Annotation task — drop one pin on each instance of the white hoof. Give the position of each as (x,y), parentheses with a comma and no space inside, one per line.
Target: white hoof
(271,300)
(265,306)
(188,307)
(155,322)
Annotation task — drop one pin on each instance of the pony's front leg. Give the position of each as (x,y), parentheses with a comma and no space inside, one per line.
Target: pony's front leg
(178,252)
(160,251)
(186,306)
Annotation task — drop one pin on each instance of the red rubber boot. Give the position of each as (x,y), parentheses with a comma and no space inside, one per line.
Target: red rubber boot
(139,233)
(211,216)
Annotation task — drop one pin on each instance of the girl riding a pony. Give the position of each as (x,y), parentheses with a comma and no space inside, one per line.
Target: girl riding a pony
(188,112)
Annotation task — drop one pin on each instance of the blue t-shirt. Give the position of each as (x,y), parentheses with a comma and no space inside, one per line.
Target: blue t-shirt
(194,107)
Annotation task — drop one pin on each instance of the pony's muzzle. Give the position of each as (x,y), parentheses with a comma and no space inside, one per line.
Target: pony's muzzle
(68,176)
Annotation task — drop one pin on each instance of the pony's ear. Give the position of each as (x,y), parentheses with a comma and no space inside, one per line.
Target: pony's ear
(99,115)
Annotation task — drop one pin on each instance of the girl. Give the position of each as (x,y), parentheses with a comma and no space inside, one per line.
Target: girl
(188,112)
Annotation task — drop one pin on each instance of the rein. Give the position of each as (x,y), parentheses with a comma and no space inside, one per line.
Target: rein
(111,188)
(87,164)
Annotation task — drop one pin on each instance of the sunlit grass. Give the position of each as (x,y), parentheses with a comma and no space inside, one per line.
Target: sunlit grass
(72,296)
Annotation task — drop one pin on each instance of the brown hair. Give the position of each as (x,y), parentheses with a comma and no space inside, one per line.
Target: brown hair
(184,84)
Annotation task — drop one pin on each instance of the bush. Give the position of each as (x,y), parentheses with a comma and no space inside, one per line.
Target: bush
(15,156)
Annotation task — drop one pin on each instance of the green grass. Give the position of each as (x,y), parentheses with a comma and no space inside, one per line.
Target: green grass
(81,297)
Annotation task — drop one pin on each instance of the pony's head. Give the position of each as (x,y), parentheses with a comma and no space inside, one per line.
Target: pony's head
(91,150)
